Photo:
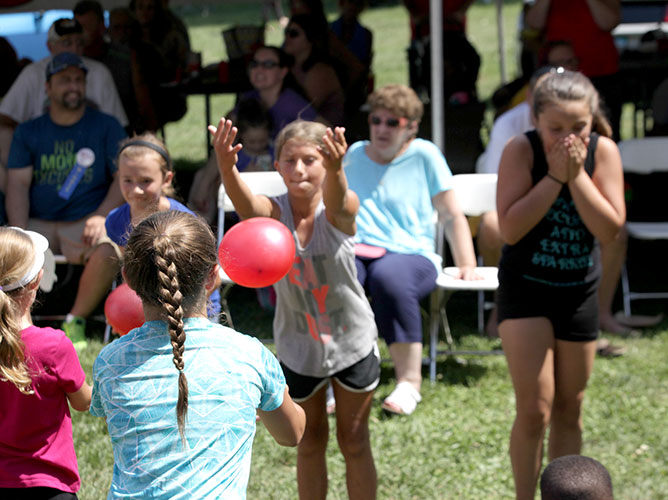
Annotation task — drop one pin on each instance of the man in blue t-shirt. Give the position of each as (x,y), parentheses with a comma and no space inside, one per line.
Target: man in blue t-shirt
(62,178)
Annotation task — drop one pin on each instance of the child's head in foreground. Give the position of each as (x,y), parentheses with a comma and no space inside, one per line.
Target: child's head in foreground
(575,477)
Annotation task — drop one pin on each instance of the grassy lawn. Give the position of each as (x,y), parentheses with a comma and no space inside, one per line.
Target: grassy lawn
(455,445)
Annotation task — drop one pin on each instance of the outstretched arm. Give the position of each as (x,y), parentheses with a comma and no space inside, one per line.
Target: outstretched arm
(245,202)
(458,233)
(286,423)
(341,204)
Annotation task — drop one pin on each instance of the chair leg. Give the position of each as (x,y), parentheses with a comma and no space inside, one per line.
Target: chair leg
(626,291)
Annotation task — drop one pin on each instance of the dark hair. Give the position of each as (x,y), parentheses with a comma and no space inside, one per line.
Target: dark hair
(148,144)
(285,60)
(575,477)
(167,261)
(563,85)
(318,34)
(250,114)
(86,6)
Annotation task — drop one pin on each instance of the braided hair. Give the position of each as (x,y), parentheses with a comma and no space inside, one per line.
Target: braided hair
(167,260)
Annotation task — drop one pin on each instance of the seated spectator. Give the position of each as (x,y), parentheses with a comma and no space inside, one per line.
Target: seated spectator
(401,181)
(268,73)
(27,99)
(312,67)
(11,66)
(254,132)
(359,41)
(168,37)
(136,66)
(575,477)
(62,179)
(159,27)
(131,64)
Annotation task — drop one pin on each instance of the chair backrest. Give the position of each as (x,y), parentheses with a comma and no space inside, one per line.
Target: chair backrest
(266,183)
(644,156)
(476,193)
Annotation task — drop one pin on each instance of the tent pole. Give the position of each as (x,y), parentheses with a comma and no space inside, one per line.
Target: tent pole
(437,99)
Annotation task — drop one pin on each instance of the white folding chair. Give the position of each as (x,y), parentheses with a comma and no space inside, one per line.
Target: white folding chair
(643,156)
(476,194)
(266,183)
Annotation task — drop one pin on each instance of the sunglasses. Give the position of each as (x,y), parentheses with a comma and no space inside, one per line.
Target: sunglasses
(262,64)
(390,122)
(292,33)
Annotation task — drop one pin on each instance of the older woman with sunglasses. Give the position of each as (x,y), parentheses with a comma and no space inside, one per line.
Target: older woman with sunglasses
(400,181)
(308,42)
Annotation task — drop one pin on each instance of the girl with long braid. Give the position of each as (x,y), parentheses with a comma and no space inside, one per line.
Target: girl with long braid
(180,393)
(39,374)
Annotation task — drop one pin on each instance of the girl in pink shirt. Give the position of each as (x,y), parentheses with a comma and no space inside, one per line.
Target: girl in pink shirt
(39,374)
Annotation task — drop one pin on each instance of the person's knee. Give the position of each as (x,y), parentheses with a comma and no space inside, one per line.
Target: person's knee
(534,416)
(567,411)
(353,441)
(315,438)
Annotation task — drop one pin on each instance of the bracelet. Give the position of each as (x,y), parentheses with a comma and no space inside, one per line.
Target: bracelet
(554,178)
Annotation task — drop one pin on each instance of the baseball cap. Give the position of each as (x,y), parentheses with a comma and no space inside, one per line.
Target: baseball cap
(62,27)
(64,60)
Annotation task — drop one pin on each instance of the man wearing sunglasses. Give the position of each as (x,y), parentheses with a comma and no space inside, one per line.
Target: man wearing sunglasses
(401,181)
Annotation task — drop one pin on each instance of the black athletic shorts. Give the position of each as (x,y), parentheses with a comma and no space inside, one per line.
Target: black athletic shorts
(363,376)
(573,310)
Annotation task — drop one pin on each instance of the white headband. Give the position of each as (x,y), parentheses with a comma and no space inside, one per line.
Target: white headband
(41,245)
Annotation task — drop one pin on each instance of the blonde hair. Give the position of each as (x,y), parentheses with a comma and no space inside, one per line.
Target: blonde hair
(300,130)
(148,144)
(16,252)
(399,100)
(167,260)
(562,85)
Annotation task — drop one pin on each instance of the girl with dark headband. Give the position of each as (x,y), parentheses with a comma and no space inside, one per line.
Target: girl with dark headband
(145,172)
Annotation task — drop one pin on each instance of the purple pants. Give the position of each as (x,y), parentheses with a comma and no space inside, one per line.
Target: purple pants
(396,283)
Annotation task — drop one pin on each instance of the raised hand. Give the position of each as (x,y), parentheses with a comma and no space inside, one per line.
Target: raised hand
(223,144)
(335,148)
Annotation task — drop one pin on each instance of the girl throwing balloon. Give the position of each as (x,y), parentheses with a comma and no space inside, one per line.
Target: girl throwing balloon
(323,326)
(560,191)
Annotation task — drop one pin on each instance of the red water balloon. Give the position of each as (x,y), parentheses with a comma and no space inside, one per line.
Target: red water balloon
(123,309)
(257,252)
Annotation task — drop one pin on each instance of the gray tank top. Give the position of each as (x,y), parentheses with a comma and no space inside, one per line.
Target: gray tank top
(323,321)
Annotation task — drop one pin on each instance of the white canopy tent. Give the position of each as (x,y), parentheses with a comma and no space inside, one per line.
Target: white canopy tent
(438,116)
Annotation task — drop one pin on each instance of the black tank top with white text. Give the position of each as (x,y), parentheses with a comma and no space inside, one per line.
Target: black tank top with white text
(559,251)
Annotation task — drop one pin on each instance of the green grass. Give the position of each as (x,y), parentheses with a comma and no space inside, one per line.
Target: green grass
(455,445)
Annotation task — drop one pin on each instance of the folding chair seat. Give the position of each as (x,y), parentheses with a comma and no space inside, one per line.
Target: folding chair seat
(476,194)
(266,183)
(644,157)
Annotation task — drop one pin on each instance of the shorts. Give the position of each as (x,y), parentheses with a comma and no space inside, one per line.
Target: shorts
(65,238)
(572,310)
(363,376)
(36,493)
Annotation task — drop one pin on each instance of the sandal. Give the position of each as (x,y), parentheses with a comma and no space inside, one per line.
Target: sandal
(604,348)
(403,400)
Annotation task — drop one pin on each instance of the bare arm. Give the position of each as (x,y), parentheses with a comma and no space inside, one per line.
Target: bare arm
(606,13)
(519,204)
(18,196)
(94,228)
(457,232)
(600,199)
(245,202)
(536,16)
(80,400)
(341,204)
(286,423)
(7,126)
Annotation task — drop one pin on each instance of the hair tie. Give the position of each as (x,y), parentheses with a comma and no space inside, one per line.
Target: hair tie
(150,145)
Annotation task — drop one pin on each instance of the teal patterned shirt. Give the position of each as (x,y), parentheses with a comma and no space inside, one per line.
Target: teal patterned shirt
(135,387)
